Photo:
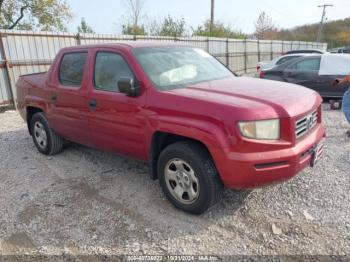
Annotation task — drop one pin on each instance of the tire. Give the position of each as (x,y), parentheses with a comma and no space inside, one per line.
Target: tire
(53,144)
(188,159)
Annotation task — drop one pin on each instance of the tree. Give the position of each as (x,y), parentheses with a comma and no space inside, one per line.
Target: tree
(218,29)
(264,27)
(134,10)
(341,39)
(84,27)
(47,15)
(133,30)
(169,27)
(336,33)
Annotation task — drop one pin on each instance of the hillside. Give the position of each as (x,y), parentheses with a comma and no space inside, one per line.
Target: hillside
(335,33)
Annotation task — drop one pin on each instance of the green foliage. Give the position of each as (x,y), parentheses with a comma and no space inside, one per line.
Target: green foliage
(50,15)
(172,27)
(218,30)
(133,19)
(133,30)
(84,27)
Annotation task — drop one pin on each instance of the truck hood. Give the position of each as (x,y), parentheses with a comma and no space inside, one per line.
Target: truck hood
(259,98)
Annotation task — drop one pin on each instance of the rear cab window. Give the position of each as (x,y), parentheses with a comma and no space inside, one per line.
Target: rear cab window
(72,68)
(286,59)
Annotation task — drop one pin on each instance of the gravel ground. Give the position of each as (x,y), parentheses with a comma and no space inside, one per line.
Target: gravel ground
(84,201)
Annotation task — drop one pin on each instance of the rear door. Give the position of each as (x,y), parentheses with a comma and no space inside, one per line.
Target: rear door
(68,102)
(332,67)
(325,87)
(304,72)
(116,121)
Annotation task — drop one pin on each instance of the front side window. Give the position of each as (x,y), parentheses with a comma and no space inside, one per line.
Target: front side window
(109,68)
(72,69)
(177,67)
(312,64)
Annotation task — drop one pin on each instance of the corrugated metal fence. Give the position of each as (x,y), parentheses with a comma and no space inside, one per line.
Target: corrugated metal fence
(25,52)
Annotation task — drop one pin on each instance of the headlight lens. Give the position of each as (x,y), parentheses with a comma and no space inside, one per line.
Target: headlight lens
(264,129)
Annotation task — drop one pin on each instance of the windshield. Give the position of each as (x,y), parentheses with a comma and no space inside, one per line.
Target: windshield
(176,67)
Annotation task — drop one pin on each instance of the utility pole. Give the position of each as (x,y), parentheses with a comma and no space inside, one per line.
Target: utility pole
(320,27)
(212,16)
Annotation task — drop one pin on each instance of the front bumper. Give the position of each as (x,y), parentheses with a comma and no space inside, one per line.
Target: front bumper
(250,170)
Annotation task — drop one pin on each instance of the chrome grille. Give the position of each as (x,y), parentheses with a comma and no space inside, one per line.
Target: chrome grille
(303,125)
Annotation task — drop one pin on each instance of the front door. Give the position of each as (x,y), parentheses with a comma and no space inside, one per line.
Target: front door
(117,122)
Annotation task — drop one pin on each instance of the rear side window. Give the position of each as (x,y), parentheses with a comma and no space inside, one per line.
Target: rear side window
(109,68)
(312,64)
(72,69)
(286,59)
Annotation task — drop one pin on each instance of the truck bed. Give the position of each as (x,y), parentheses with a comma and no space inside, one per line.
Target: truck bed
(29,87)
(36,79)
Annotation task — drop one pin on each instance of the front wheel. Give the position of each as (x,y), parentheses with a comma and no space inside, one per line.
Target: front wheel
(45,139)
(188,177)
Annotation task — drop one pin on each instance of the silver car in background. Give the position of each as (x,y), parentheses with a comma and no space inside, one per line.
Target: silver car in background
(266,65)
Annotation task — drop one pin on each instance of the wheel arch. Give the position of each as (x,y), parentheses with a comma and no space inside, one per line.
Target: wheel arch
(161,140)
(30,111)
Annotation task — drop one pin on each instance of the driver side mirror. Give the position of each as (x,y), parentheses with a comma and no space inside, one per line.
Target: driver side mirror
(128,86)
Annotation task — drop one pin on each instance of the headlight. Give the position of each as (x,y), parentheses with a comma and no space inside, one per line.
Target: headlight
(264,129)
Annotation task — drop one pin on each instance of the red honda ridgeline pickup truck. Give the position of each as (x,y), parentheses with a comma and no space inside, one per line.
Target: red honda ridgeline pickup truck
(198,126)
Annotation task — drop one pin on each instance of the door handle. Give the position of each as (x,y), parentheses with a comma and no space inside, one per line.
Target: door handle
(54,98)
(93,104)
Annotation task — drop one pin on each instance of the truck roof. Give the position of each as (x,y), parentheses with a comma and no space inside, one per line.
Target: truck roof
(128,44)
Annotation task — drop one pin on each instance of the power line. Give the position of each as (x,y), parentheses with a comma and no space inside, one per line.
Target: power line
(319,33)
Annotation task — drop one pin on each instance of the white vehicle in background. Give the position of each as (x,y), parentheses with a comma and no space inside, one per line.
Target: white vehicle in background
(306,51)
(266,65)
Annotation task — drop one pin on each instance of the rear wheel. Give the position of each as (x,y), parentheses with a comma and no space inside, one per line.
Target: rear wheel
(45,139)
(188,177)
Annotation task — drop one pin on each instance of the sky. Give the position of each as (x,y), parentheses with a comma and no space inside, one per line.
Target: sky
(106,16)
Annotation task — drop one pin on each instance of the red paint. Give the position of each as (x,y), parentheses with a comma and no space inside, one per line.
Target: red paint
(207,112)
(262,74)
